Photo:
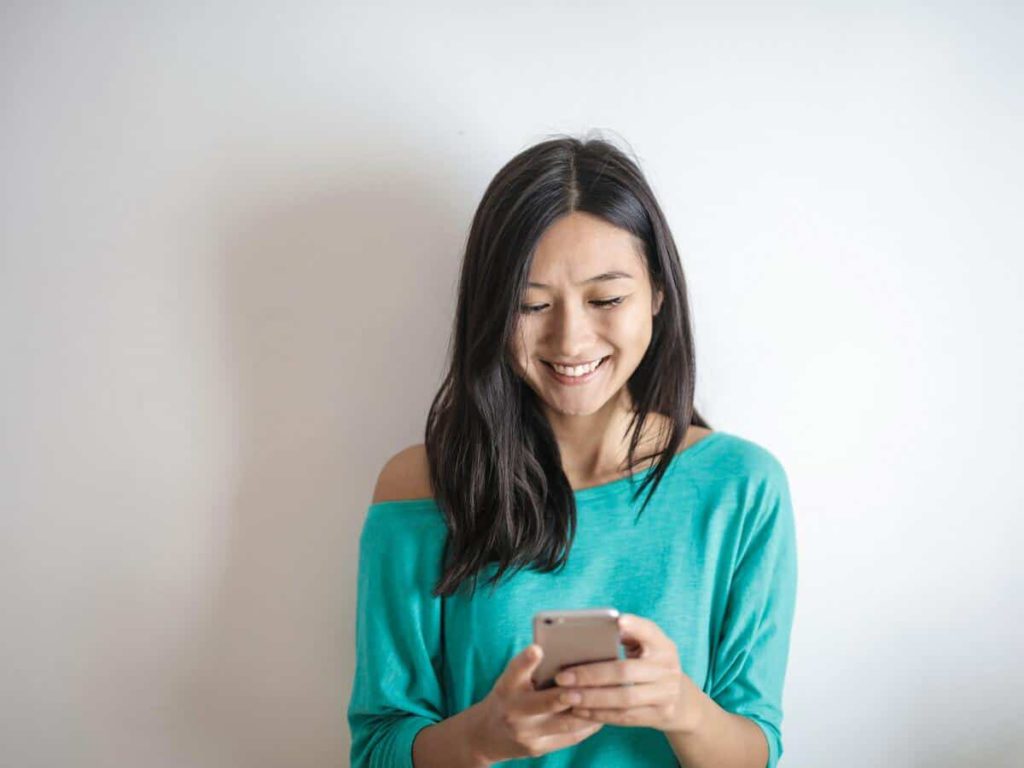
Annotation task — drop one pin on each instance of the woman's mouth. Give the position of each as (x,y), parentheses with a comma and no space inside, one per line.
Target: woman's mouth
(570,380)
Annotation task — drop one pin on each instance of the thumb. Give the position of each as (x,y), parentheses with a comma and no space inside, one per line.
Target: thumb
(520,668)
(636,630)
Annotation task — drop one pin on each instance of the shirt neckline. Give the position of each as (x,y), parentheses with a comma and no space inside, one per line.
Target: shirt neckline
(595,491)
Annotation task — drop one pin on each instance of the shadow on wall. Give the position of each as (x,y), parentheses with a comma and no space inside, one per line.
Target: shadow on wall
(333,299)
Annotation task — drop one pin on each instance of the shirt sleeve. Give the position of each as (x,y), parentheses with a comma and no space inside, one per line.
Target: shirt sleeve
(749,663)
(396,689)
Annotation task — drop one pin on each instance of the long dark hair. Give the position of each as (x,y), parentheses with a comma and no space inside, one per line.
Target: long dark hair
(495,468)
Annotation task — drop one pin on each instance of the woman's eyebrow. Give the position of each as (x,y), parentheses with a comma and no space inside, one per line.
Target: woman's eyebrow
(604,276)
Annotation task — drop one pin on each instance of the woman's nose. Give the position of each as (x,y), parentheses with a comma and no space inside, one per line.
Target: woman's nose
(571,333)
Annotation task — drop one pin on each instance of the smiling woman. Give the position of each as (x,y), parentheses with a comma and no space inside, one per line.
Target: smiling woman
(569,392)
(594,330)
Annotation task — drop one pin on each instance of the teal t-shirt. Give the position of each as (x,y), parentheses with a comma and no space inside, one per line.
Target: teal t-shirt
(712,560)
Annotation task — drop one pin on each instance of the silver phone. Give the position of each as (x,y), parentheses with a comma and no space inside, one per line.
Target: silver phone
(574,637)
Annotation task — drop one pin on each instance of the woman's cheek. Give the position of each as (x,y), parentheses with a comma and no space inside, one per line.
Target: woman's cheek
(639,335)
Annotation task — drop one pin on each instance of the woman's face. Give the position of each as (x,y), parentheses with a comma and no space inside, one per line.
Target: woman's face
(566,316)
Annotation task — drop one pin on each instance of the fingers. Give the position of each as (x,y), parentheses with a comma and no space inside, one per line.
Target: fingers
(618,672)
(519,669)
(555,725)
(535,719)
(635,716)
(579,730)
(635,629)
(542,702)
(622,697)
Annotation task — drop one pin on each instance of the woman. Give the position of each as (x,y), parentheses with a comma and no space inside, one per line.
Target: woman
(525,497)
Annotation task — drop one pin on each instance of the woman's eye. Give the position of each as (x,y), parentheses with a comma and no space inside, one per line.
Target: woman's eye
(529,309)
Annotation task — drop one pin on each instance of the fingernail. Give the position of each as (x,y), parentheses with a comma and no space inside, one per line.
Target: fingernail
(565,678)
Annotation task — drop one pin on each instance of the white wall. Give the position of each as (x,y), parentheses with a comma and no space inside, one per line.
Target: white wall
(230,240)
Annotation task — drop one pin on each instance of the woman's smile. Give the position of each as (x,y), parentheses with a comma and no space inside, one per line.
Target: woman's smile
(572,381)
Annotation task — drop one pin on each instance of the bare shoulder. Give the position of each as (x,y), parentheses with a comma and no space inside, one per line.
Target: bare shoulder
(695,434)
(406,475)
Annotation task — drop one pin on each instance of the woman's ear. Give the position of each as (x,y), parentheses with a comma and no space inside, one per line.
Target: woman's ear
(659,296)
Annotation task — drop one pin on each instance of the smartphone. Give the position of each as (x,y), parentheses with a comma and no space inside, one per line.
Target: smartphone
(574,637)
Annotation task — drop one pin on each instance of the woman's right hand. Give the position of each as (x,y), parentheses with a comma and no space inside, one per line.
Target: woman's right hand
(516,720)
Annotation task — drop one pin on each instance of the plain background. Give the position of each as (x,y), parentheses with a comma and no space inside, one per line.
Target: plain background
(230,239)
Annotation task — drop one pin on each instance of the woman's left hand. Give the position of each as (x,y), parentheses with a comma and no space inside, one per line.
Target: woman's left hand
(648,688)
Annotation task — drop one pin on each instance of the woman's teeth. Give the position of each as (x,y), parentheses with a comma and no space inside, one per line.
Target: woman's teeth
(578,370)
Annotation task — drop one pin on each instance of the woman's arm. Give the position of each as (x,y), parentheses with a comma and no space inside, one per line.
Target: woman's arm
(449,743)
(396,689)
(720,739)
(741,723)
